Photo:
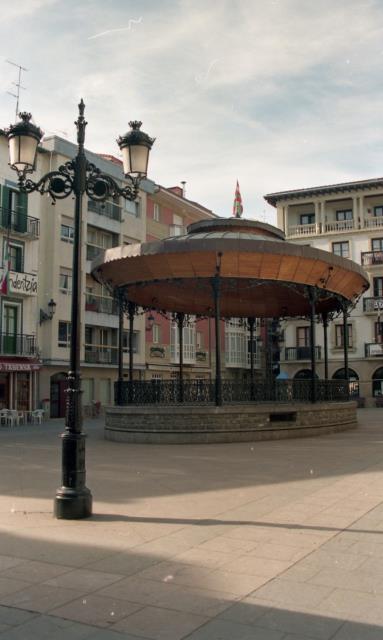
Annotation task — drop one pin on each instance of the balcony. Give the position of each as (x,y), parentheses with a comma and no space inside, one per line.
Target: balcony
(302,230)
(373,305)
(18,344)
(373,349)
(108,209)
(375,222)
(372,258)
(338,226)
(99,354)
(100,304)
(19,224)
(301,353)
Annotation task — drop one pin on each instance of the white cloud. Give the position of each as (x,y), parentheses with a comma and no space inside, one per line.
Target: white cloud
(279,94)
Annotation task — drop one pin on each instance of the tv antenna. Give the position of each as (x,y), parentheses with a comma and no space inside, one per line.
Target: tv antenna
(17,84)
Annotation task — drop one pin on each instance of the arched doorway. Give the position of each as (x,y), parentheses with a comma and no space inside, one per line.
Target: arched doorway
(353,377)
(377,383)
(58,395)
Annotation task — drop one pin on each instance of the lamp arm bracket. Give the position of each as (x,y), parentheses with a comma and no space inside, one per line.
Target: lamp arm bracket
(57,184)
(101,187)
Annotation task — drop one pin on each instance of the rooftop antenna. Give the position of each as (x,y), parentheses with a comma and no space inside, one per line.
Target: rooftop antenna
(17,84)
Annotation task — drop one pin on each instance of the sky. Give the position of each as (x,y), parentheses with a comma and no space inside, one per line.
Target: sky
(279,94)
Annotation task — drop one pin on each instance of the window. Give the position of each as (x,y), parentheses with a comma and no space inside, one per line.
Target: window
(64,334)
(378,211)
(303,336)
(339,342)
(67,233)
(15,255)
(341,249)
(156,212)
(377,244)
(125,341)
(65,280)
(156,338)
(343,214)
(379,332)
(307,218)
(199,340)
(377,284)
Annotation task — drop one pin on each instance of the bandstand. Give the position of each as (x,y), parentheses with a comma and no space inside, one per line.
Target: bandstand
(230,268)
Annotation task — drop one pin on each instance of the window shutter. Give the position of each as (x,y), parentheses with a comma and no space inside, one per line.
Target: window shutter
(22,211)
(5,207)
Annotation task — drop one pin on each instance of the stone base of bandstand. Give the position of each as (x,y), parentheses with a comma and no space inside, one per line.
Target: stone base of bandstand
(203,424)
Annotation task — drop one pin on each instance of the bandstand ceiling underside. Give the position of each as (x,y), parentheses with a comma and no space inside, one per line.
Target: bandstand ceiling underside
(258,277)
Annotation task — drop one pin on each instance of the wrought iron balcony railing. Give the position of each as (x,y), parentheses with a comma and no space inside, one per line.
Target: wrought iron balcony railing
(373,349)
(301,353)
(100,354)
(19,223)
(18,344)
(373,305)
(370,258)
(203,391)
(108,209)
(100,304)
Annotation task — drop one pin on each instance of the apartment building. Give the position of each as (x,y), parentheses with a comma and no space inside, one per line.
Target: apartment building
(19,242)
(347,220)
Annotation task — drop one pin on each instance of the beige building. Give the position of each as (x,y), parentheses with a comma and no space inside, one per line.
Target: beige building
(347,220)
(20,230)
(105,225)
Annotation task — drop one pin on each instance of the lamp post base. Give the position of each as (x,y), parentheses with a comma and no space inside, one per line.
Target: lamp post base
(70,504)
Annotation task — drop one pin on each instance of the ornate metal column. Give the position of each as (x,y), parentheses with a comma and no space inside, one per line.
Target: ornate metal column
(312,298)
(216,281)
(120,387)
(345,346)
(73,499)
(180,319)
(76,177)
(131,313)
(251,323)
(325,343)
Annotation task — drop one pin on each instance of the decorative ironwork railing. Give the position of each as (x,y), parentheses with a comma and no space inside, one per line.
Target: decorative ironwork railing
(370,258)
(301,353)
(101,355)
(19,222)
(373,349)
(108,209)
(169,392)
(371,305)
(17,344)
(100,304)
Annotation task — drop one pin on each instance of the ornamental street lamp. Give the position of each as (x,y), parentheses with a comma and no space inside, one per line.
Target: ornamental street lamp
(78,176)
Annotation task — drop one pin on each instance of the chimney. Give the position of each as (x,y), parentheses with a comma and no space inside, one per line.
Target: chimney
(183,182)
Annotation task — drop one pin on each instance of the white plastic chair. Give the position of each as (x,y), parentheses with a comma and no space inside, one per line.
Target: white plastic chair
(37,416)
(4,416)
(13,417)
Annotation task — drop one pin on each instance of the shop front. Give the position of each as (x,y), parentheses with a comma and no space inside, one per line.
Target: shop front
(18,384)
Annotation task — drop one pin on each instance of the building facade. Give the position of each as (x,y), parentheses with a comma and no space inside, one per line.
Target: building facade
(347,220)
(19,241)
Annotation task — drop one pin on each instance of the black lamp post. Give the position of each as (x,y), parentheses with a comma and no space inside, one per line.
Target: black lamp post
(78,176)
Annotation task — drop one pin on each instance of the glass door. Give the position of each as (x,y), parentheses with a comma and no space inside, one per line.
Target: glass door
(10,323)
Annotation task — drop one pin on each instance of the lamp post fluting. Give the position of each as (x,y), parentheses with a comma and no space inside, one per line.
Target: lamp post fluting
(77,177)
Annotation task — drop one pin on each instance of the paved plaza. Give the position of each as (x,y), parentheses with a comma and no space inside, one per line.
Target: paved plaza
(267,541)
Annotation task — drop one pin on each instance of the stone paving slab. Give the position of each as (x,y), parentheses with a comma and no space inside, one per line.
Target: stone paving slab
(268,540)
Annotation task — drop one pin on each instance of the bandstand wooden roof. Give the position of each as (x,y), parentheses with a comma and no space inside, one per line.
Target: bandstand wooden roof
(261,275)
